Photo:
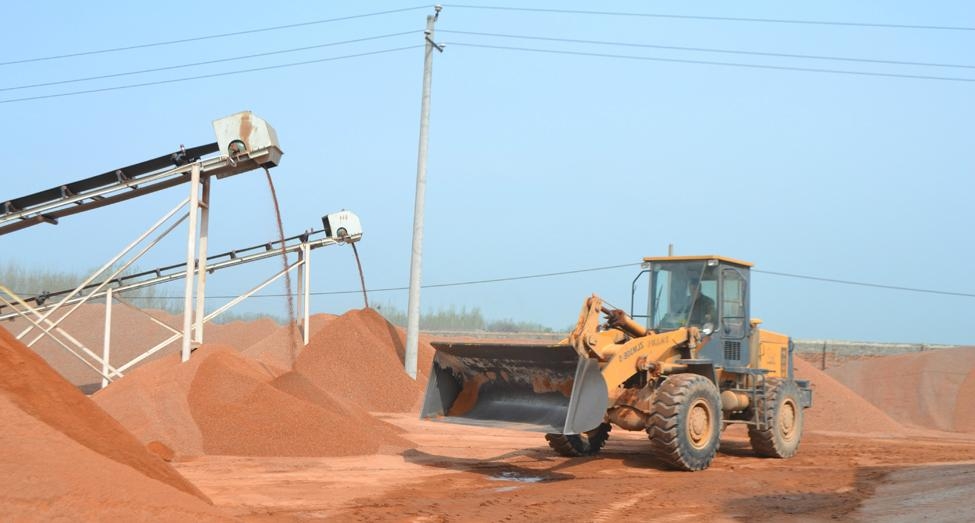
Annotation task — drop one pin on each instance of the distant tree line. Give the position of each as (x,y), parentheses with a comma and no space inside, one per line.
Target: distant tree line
(463,319)
(29,282)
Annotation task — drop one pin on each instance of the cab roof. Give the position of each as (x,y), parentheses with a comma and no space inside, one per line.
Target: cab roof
(704,257)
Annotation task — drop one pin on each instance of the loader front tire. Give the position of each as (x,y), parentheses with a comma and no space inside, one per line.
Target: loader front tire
(780,438)
(685,424)
(588,443)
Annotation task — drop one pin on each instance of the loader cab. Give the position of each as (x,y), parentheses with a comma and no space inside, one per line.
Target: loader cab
(707,292)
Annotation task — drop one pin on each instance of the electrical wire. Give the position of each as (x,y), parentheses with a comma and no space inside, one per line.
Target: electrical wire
(212,36)
(493,35)
(213,75)
(427,286)
(578,271)
(714,18)
(707,49)
(865,284)
(208,62)
(710,62)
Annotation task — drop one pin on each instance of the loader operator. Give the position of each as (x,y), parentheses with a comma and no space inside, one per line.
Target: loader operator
(703,309)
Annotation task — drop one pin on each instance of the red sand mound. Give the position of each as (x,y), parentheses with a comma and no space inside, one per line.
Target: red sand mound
(922,389)
(221,402)
(46,475)
(151,402)
(132,334)
(275,348)
(37,389)
(838,409)
(238,334)
(965,406)
(241,413)
(62,456)
(359,357)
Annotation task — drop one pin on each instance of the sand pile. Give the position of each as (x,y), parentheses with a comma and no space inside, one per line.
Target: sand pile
(926,389)
(237,334)
(222,402)
(965,405)
(132,334)
(836,408)
(240,411)
(64,457)
(359,357)
(151,401)
(275,348)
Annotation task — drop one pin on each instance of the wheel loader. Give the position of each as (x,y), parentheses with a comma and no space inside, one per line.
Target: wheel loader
(698,364)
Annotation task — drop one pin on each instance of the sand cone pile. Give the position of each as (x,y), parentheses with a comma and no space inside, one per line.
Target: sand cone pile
(836,408)
(275,349)
(965,405)
(133,332)
(223,401)
(934,390)
(359,357)
(59,445)
(241,411)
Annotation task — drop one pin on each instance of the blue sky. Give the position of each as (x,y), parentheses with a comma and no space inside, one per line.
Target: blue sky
(538,162)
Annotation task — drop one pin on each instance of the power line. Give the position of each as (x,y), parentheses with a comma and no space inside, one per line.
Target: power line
(213,75)
(709,50)
(710,62)
(865,284)
(465,283)
(578,271)
(210,37)
(474,33)
(716,18)
(208,62)
(427,286)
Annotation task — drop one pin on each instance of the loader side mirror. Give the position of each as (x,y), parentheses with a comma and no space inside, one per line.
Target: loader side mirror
(707,329)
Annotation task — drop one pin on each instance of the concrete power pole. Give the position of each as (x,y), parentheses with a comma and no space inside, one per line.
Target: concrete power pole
(413,308)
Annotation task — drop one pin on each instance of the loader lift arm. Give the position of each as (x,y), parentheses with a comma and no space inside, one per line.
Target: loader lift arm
(563,388)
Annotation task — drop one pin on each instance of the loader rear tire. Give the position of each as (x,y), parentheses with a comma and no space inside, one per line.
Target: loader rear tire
(685,424)
(588,443)
(780,439)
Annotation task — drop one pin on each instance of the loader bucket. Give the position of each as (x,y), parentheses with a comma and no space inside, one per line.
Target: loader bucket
(541,388)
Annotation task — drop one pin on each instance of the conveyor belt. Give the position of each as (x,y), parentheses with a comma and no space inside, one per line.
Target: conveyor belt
(49,205)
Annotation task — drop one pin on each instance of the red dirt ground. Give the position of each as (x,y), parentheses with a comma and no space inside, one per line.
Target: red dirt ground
(263,440)
(458,473)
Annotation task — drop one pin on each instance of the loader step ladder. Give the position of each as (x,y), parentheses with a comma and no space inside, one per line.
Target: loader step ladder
(758,390)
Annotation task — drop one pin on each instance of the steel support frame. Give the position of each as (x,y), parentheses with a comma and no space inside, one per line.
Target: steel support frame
(42,320)
(207,318)
(194,317)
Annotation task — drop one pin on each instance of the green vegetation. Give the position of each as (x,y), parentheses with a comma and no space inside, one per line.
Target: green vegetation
(30,282)
(451,319)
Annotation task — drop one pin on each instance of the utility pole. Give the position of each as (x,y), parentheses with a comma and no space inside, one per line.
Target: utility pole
(413,308)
